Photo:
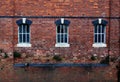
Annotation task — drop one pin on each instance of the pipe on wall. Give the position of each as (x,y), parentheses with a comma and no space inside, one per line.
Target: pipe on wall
(109,28)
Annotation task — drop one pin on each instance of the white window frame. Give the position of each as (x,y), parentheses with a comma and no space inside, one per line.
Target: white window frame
(100,44)
(62,44)
(24,44)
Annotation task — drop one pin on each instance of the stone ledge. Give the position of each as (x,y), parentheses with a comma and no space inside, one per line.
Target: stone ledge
(59,65)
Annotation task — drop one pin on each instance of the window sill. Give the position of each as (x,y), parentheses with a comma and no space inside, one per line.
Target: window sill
(24,45)
(62,45)
(99,45)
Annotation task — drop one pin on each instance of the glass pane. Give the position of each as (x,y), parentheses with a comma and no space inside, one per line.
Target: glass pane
(103,29)
(24,38)
(65,29)
(103,38)
(99,29)
(20,38)
(99,38)
(20,29)
(95,29)
(58,29)
(62,29)
(28,38)
(27,29)
(65,38)
(58,38)
(23,26)
(62,38)
(95,38)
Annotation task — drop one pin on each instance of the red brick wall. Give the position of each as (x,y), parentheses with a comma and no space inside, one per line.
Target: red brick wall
(43,29)
(62,74)
(6,8)
(55,8)
(43,35)
(43,38)
(6,34)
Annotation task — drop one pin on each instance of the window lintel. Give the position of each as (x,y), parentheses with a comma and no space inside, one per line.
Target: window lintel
(61,21)
(24,21)
(99,22)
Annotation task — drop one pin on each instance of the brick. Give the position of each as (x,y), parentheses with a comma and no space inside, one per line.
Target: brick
(43,40)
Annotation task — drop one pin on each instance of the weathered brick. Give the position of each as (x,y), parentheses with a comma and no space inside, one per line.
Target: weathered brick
(43,39)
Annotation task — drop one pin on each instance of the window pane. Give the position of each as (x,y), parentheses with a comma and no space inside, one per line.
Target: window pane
(24,38)
(58,29)
(62,29)
(95,38)
(28,38)
(23,26)
(20,38)
(103,29)
(95,29)
(62,38)
(27,29)
(99,38)
(20,29)
(99,29)
(103,38)
(65,38)
(58,38)
(65,29)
